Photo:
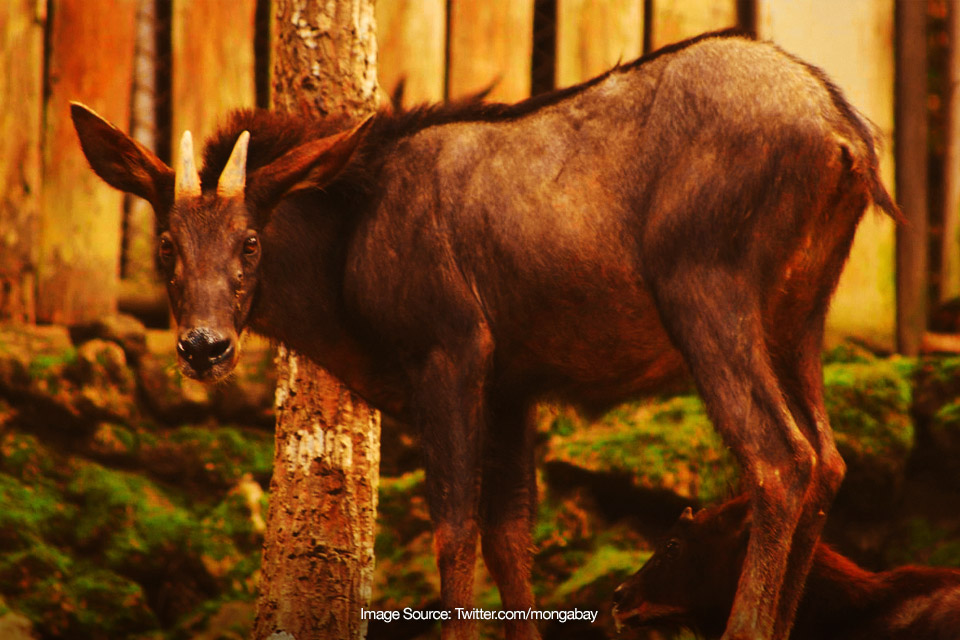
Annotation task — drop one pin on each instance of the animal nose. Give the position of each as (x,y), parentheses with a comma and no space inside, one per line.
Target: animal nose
(203,348)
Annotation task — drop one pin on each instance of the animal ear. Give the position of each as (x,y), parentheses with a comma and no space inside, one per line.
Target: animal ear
(122,162)
(312,165)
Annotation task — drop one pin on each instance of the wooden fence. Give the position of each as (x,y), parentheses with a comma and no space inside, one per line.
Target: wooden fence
(61,246)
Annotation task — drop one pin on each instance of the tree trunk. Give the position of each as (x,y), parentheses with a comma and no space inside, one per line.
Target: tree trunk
(317,569)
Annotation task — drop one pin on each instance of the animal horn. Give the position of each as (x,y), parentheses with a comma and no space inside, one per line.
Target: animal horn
(188,179)
(687,514)
(234,175)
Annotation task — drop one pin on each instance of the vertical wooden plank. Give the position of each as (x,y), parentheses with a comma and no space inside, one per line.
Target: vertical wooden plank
(411,47)
(491,43)
(213,63)
(853,42)
(594,36)
(950,246)
(21,107)
(90,60)
(675,20)
(138,242)
(912,150)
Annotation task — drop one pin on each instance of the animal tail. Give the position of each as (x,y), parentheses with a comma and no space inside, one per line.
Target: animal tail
(871,137)
(869,134)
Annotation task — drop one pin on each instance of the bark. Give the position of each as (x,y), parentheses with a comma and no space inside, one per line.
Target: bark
(317,569)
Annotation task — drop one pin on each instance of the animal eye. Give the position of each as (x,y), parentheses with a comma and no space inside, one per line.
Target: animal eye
(251,246)
(165,249)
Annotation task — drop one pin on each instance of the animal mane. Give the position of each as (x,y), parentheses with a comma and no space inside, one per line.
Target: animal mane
(273,133)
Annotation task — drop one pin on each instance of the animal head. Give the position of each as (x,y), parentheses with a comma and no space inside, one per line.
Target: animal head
(691,578)
(209,245)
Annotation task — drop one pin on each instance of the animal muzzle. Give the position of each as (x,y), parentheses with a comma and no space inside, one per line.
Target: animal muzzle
(206,353)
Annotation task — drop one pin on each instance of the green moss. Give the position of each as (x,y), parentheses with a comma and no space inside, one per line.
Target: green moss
(23,456)
(127,518)
(30,512)
(227,452)
(661,444)
(68,600)
(108,605)
(869,407)
(919,541)
(44,364)
(608,564)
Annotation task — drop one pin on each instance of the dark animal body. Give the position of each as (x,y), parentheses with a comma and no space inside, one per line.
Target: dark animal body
(686,214)
(691,579)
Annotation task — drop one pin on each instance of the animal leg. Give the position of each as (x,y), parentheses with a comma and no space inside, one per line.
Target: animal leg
(508,499)
(714,318)
(810,411)
(451,415)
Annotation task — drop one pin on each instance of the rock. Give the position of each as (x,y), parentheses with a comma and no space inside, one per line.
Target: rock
(107,385)
(123,330)
(869,409)
(943,437)
(168,395)
(15,626)
(668,445)
(247,396)
(232,621)
(113,441)
(209,456)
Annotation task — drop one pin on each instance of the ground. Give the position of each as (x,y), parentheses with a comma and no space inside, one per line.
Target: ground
(133,501)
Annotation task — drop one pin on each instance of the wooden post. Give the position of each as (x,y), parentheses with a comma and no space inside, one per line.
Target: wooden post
(853,42)
(317,569)
(213,63)
(21,107)
(950,245)
(594,36)
(90,60)
(675,20)
(912,175)
(491,44)
(138,242)
(411,47)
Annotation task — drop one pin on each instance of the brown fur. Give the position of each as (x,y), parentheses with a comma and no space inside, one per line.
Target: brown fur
(691,579)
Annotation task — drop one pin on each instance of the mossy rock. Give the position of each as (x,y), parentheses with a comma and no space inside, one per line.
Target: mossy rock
(130,524)
(406,572)
(123,330)
(919,541)
(869,409)
(936,384)
(661,444)
(942,439)
(211,456)
(24,456)
(31,513)
(230,537)
(67,599)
